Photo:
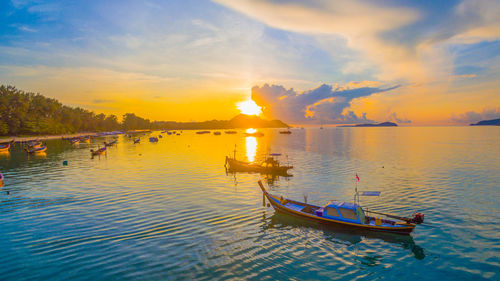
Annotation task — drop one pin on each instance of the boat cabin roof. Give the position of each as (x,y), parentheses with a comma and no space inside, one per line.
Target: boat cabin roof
(346,205)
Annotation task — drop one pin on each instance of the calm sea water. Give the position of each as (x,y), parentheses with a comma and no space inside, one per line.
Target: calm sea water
(169,211)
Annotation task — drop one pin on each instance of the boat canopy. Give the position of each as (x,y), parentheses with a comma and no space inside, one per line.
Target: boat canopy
(346,205)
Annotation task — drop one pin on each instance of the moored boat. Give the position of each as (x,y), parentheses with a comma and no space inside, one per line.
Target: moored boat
(138,140)
(111,143)
(99,151)
(268,166)
(85,139)
(349,215)
(230,132)
(153,139)
(74,141)
(4,147)
(286,132)
(217,133)
(37,149)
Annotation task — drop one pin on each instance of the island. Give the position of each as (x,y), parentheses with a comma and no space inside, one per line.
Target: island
(492,122)
(383,124)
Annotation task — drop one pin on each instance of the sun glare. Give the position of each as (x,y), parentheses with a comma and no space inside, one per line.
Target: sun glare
(249,107)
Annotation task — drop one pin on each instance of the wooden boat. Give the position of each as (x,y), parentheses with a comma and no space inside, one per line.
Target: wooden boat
(268,166)
(36,149)
(137,140)
(349,215)
(230,132)
(202,132)
(111,143)
(33,144)
(217,133)
(74,141)
(4,147)
(153,139)
(287,132)
(99,151)
(85,139)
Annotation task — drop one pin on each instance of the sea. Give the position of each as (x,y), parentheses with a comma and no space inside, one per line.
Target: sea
(171,211)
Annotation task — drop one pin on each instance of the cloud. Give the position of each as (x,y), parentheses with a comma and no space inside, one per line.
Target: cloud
(394,118)
(324,104)
(473,116)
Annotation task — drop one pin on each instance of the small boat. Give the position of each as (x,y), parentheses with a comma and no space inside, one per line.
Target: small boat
(160,136)
(256,134)
(74,141)
(99,151)
(36,149)
(230,132)
(178,134)
(153,139)
(4,147)
(203,132)
(169,133)
(164,132)
(85,139)
(111,143)
(217,133)
(349,215)
(287,132)
(268,166)
(137,140)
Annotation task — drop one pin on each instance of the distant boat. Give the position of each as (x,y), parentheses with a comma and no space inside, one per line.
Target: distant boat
(230,132)
(349,215)
(287,132)
(217,133)
(75,141)
(153,139)
(100,151)
(268,166)
(169,133)
(137,140)
(256,134)
(203,132)
(36,149)
(160,136)
(111,143)
(4,147)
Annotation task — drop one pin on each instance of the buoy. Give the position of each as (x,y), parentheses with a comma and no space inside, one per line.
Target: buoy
(65,163)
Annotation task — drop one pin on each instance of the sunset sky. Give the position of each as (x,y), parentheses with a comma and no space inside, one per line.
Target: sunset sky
(305,62)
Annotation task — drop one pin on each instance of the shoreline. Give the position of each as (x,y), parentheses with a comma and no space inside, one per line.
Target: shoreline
(45,137)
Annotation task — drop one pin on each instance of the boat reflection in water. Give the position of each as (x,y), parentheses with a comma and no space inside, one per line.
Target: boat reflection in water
(283,222)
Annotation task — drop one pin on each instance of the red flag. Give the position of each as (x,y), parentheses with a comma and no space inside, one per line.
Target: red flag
(357,176)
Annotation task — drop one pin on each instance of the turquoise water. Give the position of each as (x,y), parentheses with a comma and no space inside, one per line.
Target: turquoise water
(169,211)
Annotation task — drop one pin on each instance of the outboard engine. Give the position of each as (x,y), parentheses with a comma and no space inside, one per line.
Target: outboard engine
(418,218)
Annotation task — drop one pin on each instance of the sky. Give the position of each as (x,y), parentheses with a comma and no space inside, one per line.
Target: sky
(303,61)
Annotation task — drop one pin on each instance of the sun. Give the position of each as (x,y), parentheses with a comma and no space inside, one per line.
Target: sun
(249,107)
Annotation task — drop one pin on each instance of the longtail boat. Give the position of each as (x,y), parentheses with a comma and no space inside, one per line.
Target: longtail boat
(85,139)
(74,141)
(268,166)
(111,143)
(36,149)
(99,151)
(349,215)
(230,132)
(33,144)
(4,147)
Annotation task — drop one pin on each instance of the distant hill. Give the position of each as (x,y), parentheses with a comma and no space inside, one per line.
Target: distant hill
(492,122)
(239,121)
(384,124)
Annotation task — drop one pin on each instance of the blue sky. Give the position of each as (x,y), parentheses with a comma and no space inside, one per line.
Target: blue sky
(439,58)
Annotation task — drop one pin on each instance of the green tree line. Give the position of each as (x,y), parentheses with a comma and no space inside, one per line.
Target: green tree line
(33,114)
